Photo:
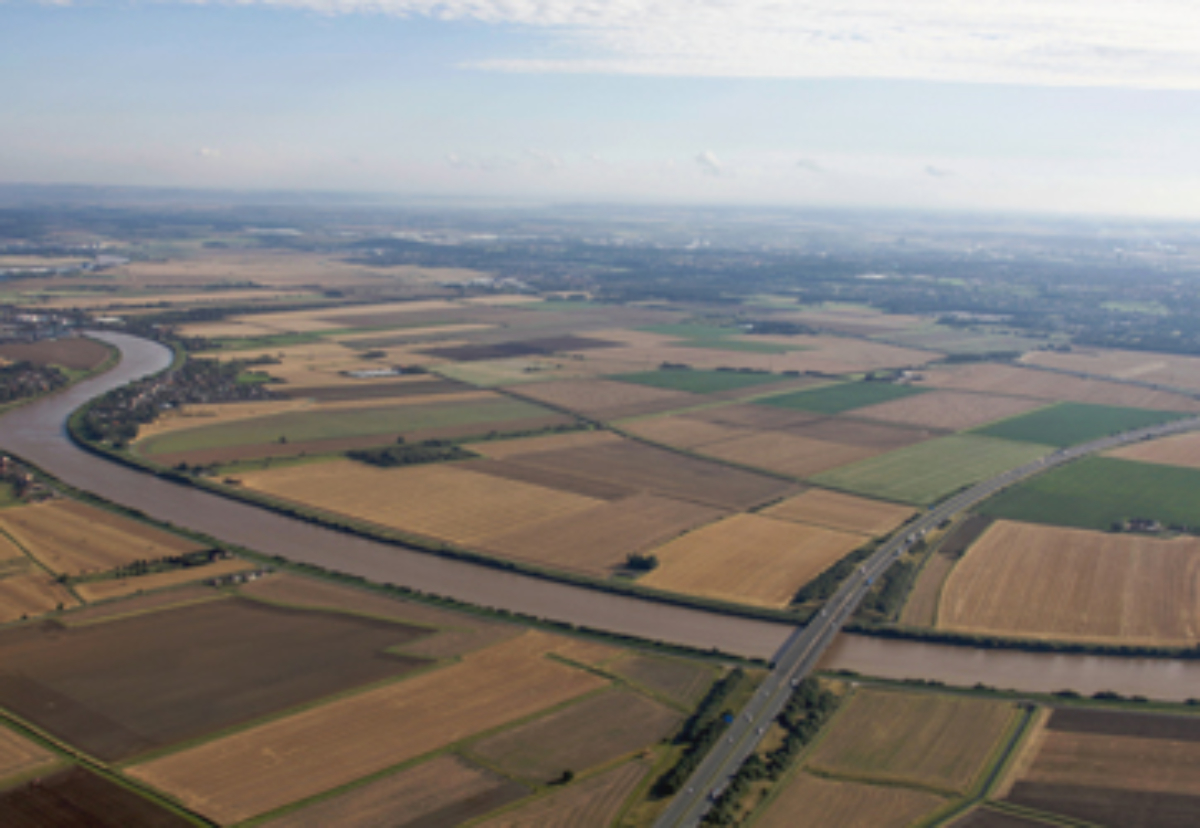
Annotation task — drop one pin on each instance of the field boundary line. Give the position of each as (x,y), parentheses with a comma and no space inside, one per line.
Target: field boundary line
(880,781)
(1042,816)
(65,616)
(621,681)
(37,562)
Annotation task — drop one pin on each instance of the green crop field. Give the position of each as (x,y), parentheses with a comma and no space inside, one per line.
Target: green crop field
(1069,424)
(927,472)
(699,382)
(834,399)
(718,338)
(301,426)
(1098,491)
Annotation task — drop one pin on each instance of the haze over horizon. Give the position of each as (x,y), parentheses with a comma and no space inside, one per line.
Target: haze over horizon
(1060,106)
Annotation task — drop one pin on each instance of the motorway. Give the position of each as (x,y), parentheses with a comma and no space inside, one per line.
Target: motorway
(803,649)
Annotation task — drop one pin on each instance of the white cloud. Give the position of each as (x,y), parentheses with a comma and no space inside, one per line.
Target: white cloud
(937,172)
(709,163)
(1119,43)
(208,153)
(809,165)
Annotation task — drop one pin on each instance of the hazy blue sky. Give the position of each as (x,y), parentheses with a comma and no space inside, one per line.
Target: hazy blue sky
(1079,105)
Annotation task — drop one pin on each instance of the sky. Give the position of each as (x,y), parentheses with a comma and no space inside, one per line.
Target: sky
(1077,106)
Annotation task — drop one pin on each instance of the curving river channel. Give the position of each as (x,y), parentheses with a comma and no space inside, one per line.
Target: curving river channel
(37,433)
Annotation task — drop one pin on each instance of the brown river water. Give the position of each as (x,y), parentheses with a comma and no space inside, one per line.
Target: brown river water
(37,433)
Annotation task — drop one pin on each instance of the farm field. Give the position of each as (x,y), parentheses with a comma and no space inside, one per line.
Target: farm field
(925,473)
(589,733)
(593,801)
(987,818)
(607,399)
(1029,580)
(951,410)
(664,473)
(937,741)
(103,590)
(749,559)
(598,540)
(76,798)
(1069,424)
(120,687)
(443,791)
(1163,369)
(262,768)
(812,802)
(921,608)
(682,681)
(556,479)
(1007,380)
(439,501)
(545,346)
(863,433)
(836,399)
(19,755)
(717,338)
(505,449)
(31,594)
(788,454)
(701,382)
(1124,770)
(73,538)
(682,431)
(76,353)
(751,416)
(1096,492)
(314,425)
(844,512)
(1179,450)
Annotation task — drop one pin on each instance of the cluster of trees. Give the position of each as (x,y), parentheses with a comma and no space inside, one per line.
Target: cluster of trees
(636,562)
(806,713)
(411,454)
(827,583)
(23,380)
(146,567)
(700,732)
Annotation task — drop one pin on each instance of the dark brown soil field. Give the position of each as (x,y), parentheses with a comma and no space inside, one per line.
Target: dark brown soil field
(1138,725)
(664,472)
(679,680)
(122,687)
(962,536)
(76,352)
(374,390)
(519,348)
(560,480)
(78,799)
(582,736)
(300,447)
(753,416)
(858,433)
(1110,806)
(983,818)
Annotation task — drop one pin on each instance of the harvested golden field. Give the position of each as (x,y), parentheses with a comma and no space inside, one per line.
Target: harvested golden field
(18,754)
(952,410)
(457,633)
(257,770)
(682,432)
(30,595)
(598,540)
(921,608)
(606,399)
(439,501)
(120,587)
(811,802)
(197,416)
(73,538)
(749,559)
(835,510)
(587,734)
(1180,450)
(1049,582)
(504,449)
(442,791)
(590,802)
(787,454)
(938,741)
(1007,380)
(1161,369)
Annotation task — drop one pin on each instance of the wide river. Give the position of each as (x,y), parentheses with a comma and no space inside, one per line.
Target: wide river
(37,433)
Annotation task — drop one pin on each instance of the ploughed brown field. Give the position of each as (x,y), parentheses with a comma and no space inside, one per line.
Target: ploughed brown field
(76,798)
(786,453)
(836,510)
(519,348)
(599,540)
(663,472)
(811,802)
(607,399)
(586,734)
(371,390)
(262,768)
(118,688)
(937,741)
(985,818)
(551,479)
(1044,581)
(1007,380)
(594,801)
(748,415)
(74,352)
(852,432)
(74,538)
(750,559)
(507,449)
(1126,770)
(951,410)
(441,792)
(682,431)
(921,608)
(682,681)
